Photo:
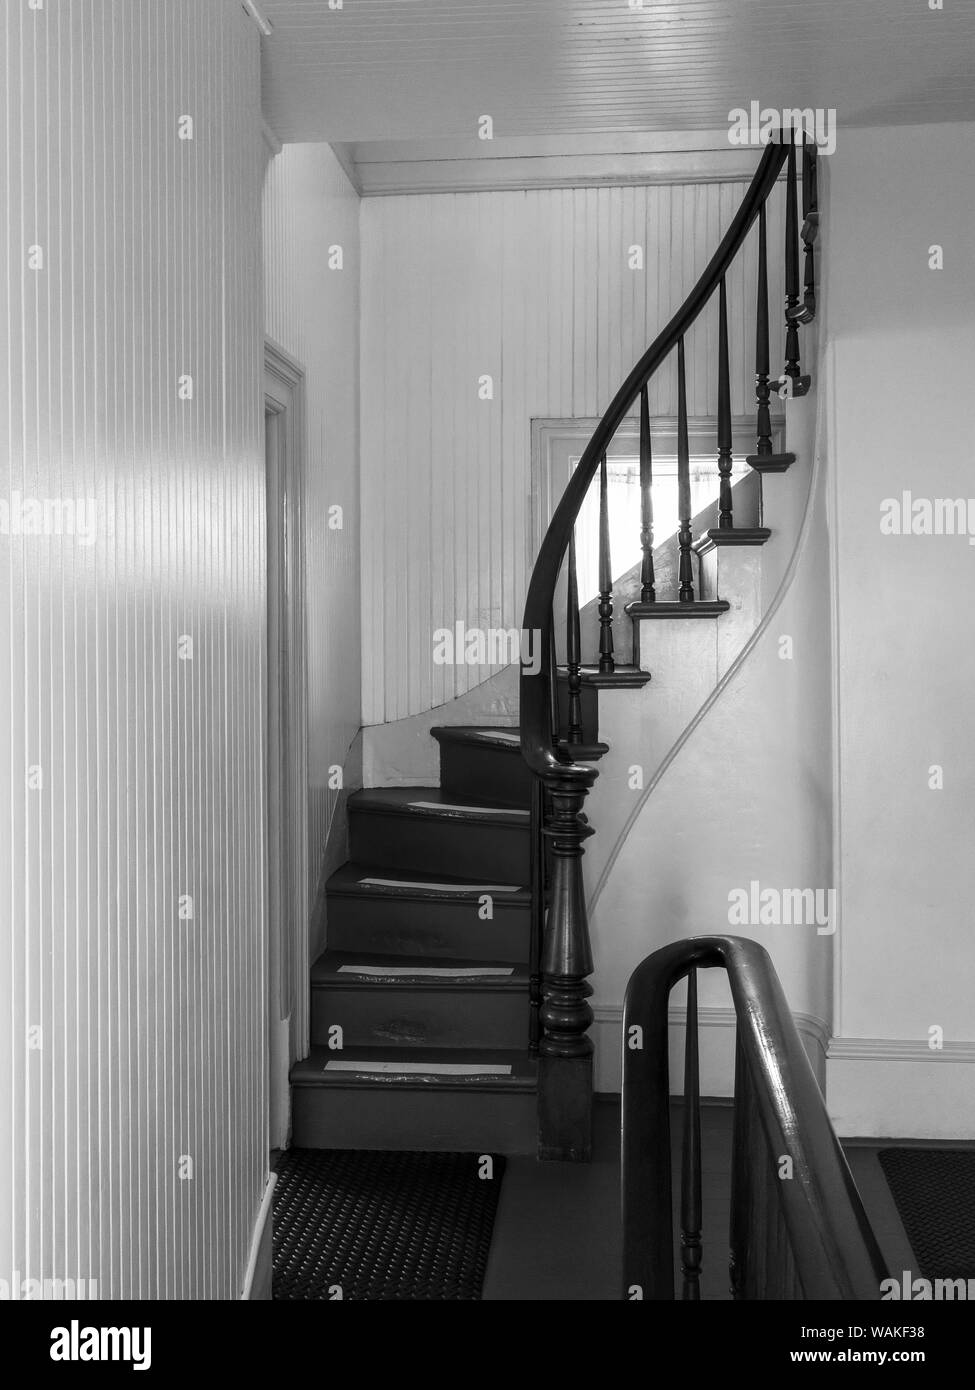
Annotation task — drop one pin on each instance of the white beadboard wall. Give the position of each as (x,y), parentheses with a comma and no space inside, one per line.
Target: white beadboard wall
(532,288)
(313,312)
(133,1041)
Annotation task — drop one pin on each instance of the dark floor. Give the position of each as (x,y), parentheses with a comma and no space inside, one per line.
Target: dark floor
(869,1177)
(557,1233)
(538,1252)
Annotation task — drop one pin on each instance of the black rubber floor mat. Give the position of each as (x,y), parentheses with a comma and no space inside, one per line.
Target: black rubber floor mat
(934,1192)
(382,1226)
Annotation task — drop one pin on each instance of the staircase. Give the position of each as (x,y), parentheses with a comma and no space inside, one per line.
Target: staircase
(427,969)
(450,1010)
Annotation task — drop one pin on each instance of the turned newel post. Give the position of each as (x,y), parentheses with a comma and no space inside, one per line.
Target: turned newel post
(565,1048)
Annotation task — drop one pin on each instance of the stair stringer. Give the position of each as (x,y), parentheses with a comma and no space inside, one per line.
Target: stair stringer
(736,789)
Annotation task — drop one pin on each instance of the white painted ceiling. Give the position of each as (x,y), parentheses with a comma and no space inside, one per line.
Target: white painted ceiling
(555,70)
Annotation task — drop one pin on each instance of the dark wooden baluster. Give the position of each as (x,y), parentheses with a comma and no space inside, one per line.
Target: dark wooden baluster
(648,593)
(555,715)
(779,1247)
(607,663)
(790,1277)
(761,1200)
(690,1187)
(573,644)
(537,876)
(795,312)
(740,1180)
(725,520)
(762,390)
(685,573)
(810,228)
(792,266)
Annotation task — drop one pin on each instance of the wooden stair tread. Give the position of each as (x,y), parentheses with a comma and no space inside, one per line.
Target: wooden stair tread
(413,1068)
(401,883)
(506,738)
(432,803)
(701,608)
(731,535)
(325,973)
(770,463)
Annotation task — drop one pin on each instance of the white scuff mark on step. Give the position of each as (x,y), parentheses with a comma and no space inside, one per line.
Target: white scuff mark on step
(440,972)
(440,887)
(421,1068)
(471,810)
(498,733)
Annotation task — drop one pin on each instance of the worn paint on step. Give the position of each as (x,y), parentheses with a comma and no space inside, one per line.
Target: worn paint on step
(421,1068)
(441,887)
(421,971)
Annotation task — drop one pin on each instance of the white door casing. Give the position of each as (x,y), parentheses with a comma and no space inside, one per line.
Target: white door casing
(286,731)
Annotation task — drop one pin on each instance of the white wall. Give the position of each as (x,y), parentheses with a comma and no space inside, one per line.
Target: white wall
(903,343)
(313,312)
(132,1038)
(534,289)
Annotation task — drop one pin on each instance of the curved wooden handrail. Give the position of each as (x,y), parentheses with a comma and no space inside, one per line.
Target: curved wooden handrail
(564,960)
(833,1248)
(535,692)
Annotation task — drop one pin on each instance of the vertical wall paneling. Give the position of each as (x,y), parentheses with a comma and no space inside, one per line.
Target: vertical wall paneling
(132,1063)
(533,288)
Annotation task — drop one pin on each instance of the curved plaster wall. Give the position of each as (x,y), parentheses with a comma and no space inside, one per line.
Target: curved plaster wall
(741,792)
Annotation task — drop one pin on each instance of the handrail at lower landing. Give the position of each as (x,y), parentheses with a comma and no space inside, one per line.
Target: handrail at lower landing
(832,1251)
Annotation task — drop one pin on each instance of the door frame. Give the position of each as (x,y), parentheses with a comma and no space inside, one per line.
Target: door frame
(286,747)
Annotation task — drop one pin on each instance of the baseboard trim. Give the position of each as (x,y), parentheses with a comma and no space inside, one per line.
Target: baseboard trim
(257,1276)
(883,1088)
(899,1088)
(898,1050)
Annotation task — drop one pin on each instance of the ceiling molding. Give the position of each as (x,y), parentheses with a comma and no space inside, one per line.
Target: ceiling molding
(389,168)
(345,154)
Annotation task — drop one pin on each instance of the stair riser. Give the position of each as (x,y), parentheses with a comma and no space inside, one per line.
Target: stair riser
(407,927)
(471,773)
(436,846)
(386,1117)
(404,1016)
